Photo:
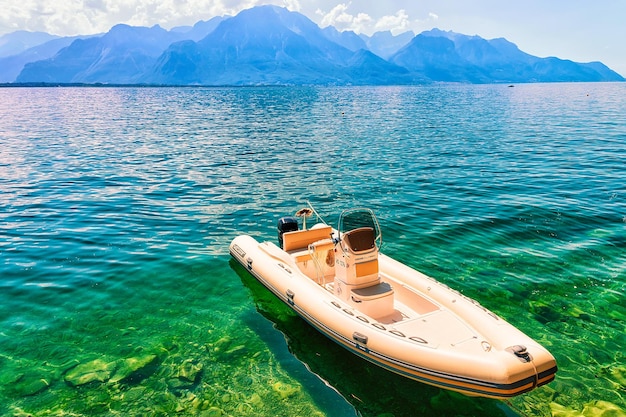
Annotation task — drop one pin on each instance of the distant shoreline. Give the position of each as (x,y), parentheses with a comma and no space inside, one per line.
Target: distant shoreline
(107,85)
(97,85)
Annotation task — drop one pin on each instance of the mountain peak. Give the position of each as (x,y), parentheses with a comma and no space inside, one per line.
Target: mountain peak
(21,40)
(448,34)
(271,45)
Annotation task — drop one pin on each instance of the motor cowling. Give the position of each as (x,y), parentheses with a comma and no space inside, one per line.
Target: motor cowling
(286,224)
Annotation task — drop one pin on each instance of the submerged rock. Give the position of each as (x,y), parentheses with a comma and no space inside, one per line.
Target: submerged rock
(255,400)
(134,368)
(27,385)
(134,394)
(211,412)
(597,408)
(223,344)
(285,390)
(93,371)
(186,375)
(558,410)
(189,371)
(618,374)
(602,409)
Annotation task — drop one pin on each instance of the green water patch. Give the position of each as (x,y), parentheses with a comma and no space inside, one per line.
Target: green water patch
(157,348)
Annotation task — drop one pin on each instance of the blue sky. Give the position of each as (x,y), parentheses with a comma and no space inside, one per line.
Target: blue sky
(580,30)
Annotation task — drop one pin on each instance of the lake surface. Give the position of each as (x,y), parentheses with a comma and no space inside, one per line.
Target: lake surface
(118,296)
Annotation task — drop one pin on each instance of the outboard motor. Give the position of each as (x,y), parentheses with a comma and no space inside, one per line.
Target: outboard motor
(286,224)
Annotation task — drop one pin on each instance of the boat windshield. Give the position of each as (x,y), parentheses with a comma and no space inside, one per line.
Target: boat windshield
(357,218)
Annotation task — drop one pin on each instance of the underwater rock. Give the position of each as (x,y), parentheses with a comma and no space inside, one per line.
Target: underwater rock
(597,408)
(256,400)
(185,376)
(164,402)
(176,384)
(557,410)
(285,390)
(27,385)
(211,412)
(88,372)
(222,344)
(601,408)
(134,394)
(200,404)
(133,368)
(619,375)
(236,351)
(189,370)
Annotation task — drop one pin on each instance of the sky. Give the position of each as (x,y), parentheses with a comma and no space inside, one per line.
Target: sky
(579,30)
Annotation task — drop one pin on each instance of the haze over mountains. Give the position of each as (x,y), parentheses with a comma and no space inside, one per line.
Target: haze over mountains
(269,45)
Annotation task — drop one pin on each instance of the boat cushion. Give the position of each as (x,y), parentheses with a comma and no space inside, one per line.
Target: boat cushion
(359,240)
(374,291)
(374,301)
(366,268)
(301,239)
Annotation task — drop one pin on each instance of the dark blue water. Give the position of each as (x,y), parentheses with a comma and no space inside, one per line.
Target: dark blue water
(117,205)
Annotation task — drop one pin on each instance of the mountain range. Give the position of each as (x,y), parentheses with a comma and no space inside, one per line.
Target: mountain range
(270,45)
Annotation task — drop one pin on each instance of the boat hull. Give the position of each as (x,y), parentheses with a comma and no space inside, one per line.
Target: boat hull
(475,362)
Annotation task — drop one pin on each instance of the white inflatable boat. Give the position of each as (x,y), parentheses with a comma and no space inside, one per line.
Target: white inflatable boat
(390,314)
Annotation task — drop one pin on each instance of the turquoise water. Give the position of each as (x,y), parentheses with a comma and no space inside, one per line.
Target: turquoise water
(117,205)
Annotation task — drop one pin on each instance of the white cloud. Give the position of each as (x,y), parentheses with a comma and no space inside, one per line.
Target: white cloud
(293,5)
(341,18)
(337,17)
(73,17)
(396,23)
